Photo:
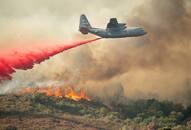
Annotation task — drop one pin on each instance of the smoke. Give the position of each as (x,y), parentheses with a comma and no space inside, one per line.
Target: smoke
(163,68)
(156,65)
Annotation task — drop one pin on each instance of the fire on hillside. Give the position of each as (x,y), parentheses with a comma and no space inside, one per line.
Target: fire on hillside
(59,92)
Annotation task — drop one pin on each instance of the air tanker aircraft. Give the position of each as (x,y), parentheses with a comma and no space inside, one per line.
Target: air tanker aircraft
(113,30)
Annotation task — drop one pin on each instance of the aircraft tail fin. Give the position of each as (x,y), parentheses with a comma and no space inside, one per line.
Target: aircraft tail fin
(84,24)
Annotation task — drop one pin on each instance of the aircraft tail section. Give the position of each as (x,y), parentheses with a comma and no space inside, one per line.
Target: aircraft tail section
(84,24)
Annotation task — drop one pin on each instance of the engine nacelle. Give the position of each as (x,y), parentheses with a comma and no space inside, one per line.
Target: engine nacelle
(122,25)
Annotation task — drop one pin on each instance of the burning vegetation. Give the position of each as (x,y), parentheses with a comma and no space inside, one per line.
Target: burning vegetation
(59,92)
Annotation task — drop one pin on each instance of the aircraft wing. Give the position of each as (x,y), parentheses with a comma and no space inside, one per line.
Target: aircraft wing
(113,24)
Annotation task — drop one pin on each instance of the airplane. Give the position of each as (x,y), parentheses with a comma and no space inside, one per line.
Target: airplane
(113,30)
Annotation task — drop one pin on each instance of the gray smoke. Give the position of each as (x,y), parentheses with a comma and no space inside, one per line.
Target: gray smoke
(156,65)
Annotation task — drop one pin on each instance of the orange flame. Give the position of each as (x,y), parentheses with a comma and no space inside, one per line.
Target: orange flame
(57,92)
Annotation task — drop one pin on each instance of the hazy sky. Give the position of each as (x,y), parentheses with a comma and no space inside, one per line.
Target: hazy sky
(57,20)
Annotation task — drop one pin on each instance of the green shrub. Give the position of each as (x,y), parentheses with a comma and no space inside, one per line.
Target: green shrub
(103,111)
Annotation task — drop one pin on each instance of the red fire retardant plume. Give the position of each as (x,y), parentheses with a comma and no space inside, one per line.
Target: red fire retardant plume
(25,59)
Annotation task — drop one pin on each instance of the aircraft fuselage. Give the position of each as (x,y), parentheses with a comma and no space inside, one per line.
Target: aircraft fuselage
(115,33)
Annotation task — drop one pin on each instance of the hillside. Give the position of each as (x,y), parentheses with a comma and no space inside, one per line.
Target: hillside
(37,111)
